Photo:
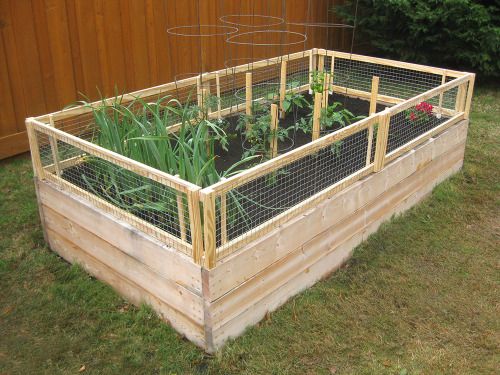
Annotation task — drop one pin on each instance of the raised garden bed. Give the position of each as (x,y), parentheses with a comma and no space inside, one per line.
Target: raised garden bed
(213,251)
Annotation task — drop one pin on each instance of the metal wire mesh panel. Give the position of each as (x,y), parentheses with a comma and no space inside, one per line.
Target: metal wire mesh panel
(152,207)
(298,72)
(407,125)
(242,209)
(395,82)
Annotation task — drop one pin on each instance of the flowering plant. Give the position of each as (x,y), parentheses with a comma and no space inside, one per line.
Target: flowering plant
(421,113)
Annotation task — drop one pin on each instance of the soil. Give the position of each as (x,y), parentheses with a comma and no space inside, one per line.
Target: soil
(262,199)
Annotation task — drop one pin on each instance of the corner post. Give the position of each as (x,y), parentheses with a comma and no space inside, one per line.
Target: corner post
(193,197)
(274,130)
(282,88)
(36,160)
(382,137)
(316,115)
(209,234)
(470,90)
(373,109)
(248,96)
(219,103)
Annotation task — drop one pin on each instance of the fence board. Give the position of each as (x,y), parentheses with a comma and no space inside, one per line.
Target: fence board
(53,50)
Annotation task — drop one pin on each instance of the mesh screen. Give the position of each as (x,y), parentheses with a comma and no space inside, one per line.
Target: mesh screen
(396,82)
(153,205)
(255,202)
(409,124)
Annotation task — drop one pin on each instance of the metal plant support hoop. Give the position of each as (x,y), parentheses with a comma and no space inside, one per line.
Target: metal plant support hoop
(232,38)
(178,30)
(273,21)
(321,24)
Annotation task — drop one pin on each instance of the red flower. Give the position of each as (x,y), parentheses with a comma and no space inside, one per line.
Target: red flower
(413,116)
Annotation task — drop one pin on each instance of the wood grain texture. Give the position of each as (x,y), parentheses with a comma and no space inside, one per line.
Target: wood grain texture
(243,264)
(162,259)
(313,259)
(52,50)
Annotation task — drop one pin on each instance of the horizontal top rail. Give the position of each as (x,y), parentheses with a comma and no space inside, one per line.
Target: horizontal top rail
(163,88)
(393,63)
(113,157)
(430,93)
(289,157)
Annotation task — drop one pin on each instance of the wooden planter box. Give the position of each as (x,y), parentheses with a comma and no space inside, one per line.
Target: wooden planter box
(209,285)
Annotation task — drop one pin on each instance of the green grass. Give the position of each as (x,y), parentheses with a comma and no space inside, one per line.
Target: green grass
(419,297)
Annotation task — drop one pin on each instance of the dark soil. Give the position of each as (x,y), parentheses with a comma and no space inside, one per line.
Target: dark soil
(235,150)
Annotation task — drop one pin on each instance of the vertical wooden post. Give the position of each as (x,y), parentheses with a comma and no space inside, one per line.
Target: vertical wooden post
(311,70)
(470,90)
(219,102)
(440,105)
(373,109)
(316,115)
(248,97)
(193,198)
(282,88)
(36,160)
(460,100)
(198,92)
(321,63)
(209,229)
(326,84)
(248,93)
(382,137)
(274,130)
(374,95)
(223,217)
(54,149)
(332,68)
(180,213)
(205,93)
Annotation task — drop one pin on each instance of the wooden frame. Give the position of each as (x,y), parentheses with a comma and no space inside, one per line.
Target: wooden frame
(230,283)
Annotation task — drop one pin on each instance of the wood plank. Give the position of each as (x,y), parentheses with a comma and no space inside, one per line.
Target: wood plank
(176,296)
(137,295)
(59,45)
(89,56)
(8,122)
(13,144)
(156,255)
(26,48)
(318,98)
(235,269)
(234,304)
(312,274)
(13,66)
(45,59)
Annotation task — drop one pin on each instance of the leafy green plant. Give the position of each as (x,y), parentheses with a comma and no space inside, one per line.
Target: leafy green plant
(257,132)
(140,131)
(317,81)
(330,117)
(293,102)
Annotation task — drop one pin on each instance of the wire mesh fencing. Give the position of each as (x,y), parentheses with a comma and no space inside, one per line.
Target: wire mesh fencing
(244,205)
(148,204)
(422,116)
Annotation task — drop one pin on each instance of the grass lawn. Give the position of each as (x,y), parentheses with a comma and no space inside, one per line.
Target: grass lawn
(419,297)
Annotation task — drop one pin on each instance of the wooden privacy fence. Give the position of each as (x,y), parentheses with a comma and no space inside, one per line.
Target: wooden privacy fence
(52,50)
